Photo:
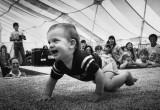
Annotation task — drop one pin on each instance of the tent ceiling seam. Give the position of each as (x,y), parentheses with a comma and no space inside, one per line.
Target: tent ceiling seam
(85,15)
(118,22)
(140,16)
(9,8)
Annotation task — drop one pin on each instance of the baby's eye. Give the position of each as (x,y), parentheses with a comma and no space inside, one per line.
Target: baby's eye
(55,40)
(48,42)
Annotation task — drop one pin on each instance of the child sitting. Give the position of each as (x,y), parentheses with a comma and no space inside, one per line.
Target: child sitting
(108,63)
(153,58)
(107,50)
(127,62)
(143,61)
(64,45)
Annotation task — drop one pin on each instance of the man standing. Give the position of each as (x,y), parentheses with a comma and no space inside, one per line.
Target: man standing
(17,37)
(154,46)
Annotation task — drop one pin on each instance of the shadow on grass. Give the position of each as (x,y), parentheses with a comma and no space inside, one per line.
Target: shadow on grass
(31,72)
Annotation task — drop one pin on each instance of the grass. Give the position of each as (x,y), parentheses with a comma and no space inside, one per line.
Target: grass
(71,94)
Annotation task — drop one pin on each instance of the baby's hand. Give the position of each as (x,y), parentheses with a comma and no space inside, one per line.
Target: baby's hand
(94,97)
(44,98)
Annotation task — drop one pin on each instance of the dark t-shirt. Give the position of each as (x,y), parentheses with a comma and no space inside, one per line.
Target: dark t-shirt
(84,67)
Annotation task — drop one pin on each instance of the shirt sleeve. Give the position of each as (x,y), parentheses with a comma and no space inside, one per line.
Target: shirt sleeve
(55,72)
(90,65)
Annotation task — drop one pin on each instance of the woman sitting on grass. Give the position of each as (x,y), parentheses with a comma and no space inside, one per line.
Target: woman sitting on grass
(64,45)
(4,61)
(15,72)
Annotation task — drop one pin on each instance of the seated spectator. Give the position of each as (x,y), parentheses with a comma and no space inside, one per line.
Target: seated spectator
(127,61)
(108,63)
(98,49)
(153,58)
(4,60)
(89,49)
(15,72)
(28,56)
(124,48)
(130,50)
(143,61)
(116,50)
(4,56)
(107,49)
(83,44)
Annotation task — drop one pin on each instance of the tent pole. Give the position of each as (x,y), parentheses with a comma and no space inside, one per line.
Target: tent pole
(94,22)
(0,33)
(142,27)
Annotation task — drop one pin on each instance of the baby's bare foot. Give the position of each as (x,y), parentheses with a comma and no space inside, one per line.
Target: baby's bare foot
(130,81)
(94,97)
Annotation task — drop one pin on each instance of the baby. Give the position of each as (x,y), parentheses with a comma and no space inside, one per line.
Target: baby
(64,45)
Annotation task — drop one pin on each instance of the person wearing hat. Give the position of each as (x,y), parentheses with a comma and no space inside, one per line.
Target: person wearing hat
(116,50)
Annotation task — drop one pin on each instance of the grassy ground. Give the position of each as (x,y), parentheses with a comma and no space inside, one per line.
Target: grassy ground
(71,94)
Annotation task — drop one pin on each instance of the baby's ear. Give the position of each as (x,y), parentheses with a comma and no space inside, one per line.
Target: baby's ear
(73,43)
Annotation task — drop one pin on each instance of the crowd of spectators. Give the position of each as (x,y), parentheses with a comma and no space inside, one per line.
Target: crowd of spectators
(127,57)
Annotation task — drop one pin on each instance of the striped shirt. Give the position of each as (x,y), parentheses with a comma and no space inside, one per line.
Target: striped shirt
(84,67)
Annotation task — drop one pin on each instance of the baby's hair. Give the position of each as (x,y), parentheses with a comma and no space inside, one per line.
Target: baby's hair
(15,24)
(144,52)
(98,47)
(71,29)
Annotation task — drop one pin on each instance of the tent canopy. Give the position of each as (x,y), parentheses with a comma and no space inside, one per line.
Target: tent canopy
(95,20)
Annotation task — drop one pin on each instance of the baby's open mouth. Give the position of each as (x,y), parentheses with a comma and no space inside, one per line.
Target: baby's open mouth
(53,51)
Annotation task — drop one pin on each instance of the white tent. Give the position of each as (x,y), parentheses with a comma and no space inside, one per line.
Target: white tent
(95,20)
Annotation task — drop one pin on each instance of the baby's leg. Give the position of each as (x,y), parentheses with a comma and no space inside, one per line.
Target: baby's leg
(113,82)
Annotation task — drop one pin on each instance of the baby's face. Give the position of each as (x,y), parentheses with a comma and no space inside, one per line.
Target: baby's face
(129,59)
(152,56)
(107,49)
(59,45)
(143,57)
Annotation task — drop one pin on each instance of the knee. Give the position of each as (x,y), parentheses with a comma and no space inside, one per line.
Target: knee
(127,74)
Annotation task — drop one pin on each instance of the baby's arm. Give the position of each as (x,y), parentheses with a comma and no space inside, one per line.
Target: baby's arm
(123,65)
(99,79)
(141,65)
(154,65)
(49,89)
